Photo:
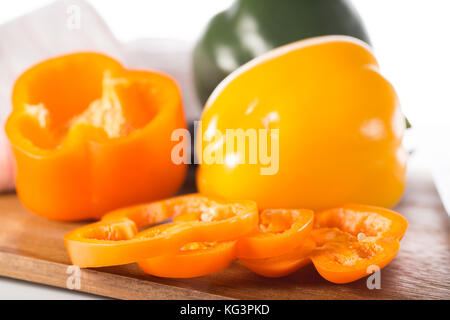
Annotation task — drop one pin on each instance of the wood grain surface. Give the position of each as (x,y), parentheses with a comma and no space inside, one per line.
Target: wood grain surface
(32,249)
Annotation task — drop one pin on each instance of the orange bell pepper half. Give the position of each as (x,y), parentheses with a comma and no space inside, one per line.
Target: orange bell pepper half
(194,259)
(354,240)
(279,231)
(90,136)
(114,240)
(283,265)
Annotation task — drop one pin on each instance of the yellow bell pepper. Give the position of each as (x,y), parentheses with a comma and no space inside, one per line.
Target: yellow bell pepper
(333,126)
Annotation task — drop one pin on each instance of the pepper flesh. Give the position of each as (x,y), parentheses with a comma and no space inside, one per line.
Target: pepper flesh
(216,219)
(92,136)
(363,219)
(355,240)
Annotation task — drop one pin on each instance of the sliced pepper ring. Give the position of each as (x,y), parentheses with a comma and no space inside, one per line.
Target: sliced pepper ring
(282,265)
(362,219)
(109,243)
(348,259)
(194,259)
(279,231)
(92,246)
(142,214)
(215,219)
(353,238)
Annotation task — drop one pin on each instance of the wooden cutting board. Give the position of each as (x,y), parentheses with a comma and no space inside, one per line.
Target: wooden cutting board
(32,249)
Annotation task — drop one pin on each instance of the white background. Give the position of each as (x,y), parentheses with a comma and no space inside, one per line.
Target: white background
(411,39)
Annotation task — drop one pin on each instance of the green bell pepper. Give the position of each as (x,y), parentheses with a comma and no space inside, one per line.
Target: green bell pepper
(252,27)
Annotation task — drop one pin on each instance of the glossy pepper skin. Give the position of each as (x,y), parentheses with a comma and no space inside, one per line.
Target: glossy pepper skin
(80,172)
(252,27)
(339,121)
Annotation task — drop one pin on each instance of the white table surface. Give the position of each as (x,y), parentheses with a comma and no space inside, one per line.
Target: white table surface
(12,289)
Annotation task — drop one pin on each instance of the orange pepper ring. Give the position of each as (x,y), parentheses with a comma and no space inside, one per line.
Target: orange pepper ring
(187,208)
(330,269)
(282,265)
(191,263)
(265,244)
(381,222)
(355,237)
(239,224)
(86,250)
